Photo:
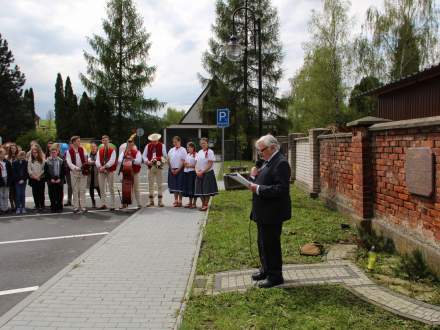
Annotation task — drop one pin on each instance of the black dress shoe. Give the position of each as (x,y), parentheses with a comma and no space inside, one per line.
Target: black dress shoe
(270,283)
(258,276)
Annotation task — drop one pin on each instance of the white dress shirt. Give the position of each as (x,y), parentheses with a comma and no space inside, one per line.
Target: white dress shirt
(79,164)
(145,154)
(137,160)
(202,160)
(176,157)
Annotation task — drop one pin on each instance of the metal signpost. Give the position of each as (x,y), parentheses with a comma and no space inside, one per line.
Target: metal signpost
(222,122)
(139,132)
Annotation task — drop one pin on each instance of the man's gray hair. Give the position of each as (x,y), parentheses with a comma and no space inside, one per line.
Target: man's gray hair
(268,141)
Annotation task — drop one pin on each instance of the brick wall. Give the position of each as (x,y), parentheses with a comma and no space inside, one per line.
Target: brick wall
(336,169)
(392,201)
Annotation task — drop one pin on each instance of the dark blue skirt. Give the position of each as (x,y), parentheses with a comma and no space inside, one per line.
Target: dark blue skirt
(175,182)
(206,185)
(189,183)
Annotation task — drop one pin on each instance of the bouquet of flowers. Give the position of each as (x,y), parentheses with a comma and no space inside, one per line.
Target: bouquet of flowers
(158,163)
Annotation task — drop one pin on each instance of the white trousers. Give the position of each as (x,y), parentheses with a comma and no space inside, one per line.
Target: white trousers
(155,177)
(4,199)
(105,179)
(79,183)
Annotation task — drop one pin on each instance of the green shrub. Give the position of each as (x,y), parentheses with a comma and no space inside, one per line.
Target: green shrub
(381,244)
(414,267)
(42,138)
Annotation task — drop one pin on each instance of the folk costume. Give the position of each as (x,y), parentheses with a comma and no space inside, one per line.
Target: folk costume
(154,157)
(54,173)
(189,175)
(207,184)
(133,155)
(77,161)
(106,165)
(176,160)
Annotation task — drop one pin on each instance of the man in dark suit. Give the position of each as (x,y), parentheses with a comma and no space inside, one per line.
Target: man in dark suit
(271,206)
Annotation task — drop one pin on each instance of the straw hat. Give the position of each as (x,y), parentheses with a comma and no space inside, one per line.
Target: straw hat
(154,137)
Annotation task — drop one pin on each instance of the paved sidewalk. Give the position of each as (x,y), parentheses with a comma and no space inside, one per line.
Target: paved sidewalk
(134,278)
(334,271)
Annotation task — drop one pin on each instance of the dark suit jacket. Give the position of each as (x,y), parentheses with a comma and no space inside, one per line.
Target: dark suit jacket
(19,171)
(272,205)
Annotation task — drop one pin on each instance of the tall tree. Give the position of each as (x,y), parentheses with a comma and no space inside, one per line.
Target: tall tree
(362,105)
(103,110)
(120,65)
(320,86)
(12,81)
(85,117)
(173,116)
(28,114)
(71,110)
(227,78)
(400,39)
(61,120)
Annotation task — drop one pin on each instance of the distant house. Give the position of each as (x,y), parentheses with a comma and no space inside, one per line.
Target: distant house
(414,96)
(191,127)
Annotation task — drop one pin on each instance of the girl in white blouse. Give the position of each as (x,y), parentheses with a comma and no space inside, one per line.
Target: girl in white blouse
(189,175)
(206,184)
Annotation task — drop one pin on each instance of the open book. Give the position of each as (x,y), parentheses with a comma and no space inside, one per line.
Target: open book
(240,179)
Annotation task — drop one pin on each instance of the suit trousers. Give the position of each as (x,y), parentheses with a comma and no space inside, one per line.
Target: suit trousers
(79,183)
(155,177)
(104,180)
(269,249)
(56,196)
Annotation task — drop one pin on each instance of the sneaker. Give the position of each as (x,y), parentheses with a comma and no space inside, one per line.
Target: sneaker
(17,211)
(23,211)
(84,210)
(75,210)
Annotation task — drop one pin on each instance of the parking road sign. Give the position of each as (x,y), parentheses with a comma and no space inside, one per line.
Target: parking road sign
(223,118)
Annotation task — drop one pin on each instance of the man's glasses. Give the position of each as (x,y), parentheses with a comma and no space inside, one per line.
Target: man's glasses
(262,150)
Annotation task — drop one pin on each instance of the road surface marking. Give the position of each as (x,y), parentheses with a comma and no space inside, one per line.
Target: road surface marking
(53,238)
(29,289)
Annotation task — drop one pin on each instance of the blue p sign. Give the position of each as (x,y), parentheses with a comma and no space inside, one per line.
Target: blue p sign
(223,118)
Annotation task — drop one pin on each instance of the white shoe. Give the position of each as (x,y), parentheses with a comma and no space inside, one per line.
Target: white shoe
(23,211)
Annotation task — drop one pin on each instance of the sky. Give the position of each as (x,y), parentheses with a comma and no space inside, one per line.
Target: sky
(47,37)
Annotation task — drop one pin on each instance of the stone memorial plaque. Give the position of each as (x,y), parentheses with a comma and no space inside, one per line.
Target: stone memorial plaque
(419,170)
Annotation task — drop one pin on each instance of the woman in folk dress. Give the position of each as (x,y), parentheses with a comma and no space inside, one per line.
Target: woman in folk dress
(189,175)
(206,184)
(176,160)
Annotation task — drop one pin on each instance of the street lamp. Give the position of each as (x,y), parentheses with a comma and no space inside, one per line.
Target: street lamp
(234,53)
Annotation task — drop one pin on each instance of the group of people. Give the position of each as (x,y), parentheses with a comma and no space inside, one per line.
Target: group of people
(190,173)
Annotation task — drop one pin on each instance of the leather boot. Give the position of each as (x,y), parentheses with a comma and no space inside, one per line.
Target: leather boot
(151,202)
(159,202)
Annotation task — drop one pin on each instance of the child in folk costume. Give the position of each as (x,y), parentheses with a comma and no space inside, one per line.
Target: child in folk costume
(92,178)
(20,174)
(6,181)
(131,153)
(154,157)
(76,159)
(189,175)
(206,184)
(106,164)
(176,161)
(54,172)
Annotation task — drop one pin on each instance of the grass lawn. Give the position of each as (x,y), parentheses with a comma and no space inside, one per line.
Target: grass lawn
(324,307)
(225,243)
(230,163)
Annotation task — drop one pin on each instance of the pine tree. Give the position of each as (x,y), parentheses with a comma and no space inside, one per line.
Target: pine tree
(102,115)
(28,116)
(60,117)
(70,110)
(85,117)
(120,65)
(227,78)
(11,83)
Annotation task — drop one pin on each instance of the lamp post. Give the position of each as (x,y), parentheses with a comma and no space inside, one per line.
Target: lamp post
(234,51)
